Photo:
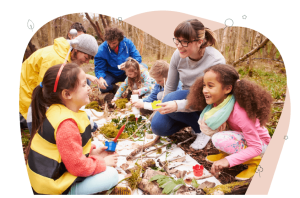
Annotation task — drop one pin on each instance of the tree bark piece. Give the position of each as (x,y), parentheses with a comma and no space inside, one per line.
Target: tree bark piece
(103,21)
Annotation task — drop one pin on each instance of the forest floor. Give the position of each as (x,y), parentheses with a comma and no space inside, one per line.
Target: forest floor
(267,74)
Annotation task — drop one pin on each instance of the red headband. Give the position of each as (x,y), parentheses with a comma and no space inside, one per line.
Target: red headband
(57,77)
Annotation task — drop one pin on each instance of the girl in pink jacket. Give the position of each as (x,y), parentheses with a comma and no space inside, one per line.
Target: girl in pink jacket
(234,113)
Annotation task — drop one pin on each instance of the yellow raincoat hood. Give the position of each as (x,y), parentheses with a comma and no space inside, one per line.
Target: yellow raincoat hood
(34,68)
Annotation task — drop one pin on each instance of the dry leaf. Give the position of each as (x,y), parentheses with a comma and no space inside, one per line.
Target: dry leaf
(149,136)
(124,166)
(207,184)
(188,181)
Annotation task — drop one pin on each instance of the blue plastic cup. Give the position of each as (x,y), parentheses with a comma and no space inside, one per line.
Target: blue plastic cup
(111,146)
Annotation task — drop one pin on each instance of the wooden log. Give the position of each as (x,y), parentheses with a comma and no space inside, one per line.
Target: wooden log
(251,52)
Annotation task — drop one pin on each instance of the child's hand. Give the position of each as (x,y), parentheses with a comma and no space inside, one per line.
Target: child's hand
(135,92)
(102,83)
(138,104)
(101,151)
(111,160)
(114,100)
(218,166)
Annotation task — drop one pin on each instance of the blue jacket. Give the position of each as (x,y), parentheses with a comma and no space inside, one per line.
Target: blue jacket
(157,88)
(106,60)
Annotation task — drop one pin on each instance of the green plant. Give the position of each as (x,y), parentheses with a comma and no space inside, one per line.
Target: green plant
(169,184)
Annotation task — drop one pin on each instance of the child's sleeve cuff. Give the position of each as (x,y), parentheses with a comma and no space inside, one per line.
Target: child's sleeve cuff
(148,106)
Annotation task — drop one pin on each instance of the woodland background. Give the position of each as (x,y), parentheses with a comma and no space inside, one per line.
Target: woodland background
(253,55)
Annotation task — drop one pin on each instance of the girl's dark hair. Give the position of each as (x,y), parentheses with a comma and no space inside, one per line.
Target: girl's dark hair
(112,33)
(194,29)
(45,97)
(133,66)
(77,26)
(254,99)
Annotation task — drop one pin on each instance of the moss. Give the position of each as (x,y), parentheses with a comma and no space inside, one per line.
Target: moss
(93,105)
(121,103)
(226,188)
(110,130)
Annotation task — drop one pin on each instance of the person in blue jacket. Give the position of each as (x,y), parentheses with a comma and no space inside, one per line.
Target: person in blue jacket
(111,56)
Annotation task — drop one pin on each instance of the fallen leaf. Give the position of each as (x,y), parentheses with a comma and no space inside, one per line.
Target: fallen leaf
(207,184)
(124,166)
(149,136)
(188,180)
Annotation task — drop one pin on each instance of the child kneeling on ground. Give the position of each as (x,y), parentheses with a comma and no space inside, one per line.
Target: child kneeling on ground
(159,72)
(234,113)
(61,158)
(138,80)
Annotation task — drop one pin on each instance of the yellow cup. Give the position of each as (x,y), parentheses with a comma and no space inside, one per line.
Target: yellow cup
(154,104)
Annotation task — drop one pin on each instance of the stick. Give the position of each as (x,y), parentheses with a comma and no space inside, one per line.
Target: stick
(137,150)
(164,90)
(152,150)
(203,177)
(185,140)
(161,154)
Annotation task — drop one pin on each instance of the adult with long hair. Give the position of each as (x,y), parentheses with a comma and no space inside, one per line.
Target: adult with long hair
(193,55)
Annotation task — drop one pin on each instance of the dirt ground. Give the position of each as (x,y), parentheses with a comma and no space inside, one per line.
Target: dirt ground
(226,176)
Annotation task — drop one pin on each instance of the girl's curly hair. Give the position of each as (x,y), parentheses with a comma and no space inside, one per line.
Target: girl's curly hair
(132,65)
(253,98)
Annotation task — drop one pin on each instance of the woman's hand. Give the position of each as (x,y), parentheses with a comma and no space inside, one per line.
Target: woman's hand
(138,104)
(111,160)
(218,166)
(101,152)
(135,92)
(167,107)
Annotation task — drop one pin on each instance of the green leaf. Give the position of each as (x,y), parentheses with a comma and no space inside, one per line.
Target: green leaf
(168,188)
(195,183)
(156,177)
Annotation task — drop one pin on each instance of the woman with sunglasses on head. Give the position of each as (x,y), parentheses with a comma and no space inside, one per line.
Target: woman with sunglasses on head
(193,55)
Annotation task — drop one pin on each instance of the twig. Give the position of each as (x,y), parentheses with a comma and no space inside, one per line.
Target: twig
(164,89)
(278,102)
(203,177)
(185,140)
(152,150)
(176,166)
(161,154)
(137,129)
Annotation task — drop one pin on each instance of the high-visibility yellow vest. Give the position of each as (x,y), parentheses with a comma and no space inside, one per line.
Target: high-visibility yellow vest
(47,173)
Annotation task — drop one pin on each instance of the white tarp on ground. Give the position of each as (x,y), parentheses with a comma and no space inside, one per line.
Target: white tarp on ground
(125,147)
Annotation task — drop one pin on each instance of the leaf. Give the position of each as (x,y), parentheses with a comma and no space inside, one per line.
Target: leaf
(156,177)
(195,183)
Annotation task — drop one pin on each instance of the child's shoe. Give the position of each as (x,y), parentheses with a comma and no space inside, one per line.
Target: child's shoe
(213,158)
(250,171)
(200,141)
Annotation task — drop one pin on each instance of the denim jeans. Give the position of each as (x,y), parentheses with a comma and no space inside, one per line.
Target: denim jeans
(112,79)
(167,124)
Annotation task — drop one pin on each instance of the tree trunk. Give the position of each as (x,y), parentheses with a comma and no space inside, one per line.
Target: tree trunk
(96,27)
(224,41)
(50,36)
(141,41)
(239,43)
(103,21)
(252,51)
(108,21)
(158,50)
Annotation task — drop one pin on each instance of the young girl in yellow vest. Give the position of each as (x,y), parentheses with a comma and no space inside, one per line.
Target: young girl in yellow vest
(60,157)
(234,113)
(138,79)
